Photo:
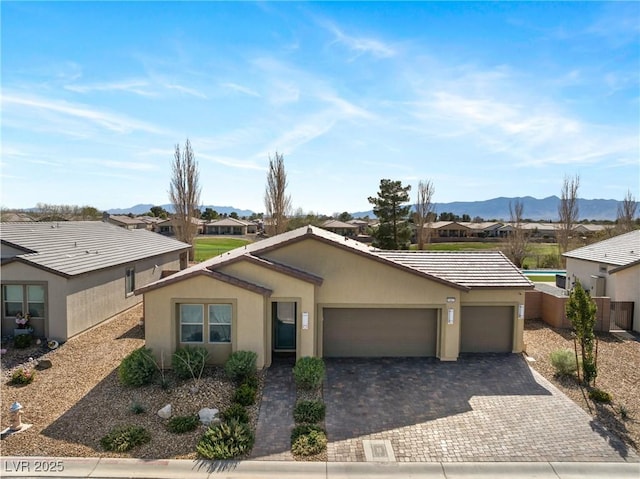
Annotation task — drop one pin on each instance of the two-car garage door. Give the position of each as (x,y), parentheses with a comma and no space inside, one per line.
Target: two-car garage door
(381,332)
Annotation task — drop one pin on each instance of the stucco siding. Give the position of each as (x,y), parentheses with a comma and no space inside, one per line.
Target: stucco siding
(161,318)
(628,289)
(54,326)
(581,270)
(96,296)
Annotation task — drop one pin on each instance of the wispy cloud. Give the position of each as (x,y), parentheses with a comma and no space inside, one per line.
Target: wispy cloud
(232,162)
(240,89)
(360,44)
(185,90)
(121,165)
(109,121)
(139,87)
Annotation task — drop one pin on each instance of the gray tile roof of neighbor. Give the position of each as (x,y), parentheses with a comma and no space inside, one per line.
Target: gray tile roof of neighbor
(462,270)
(622,250)
(76,247)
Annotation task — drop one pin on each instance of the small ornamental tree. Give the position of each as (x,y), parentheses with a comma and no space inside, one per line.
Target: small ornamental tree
(581,311)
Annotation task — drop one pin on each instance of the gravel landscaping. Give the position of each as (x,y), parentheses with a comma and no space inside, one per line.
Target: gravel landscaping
(618,374)
(75,403)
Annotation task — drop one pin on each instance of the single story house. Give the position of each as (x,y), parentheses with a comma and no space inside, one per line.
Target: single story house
(128,222)
(315,293)
(166,227)
(609,268)
(72,275)
(230,226)
(449,229)
(341,228)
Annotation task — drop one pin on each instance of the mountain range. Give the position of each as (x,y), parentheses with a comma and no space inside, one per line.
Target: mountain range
(545,209)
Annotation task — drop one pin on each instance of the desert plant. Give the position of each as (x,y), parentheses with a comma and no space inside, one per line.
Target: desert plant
(22,341)
(137,368)
(22,376)
(623,412)
(308,440)
(137,408)
(235,412)
(308,372)
(599,395)
(251,380)
(189,362)
(564,362)
(226,440)
(245,394)
(181,424)
(124,438)
(307,411)
(240,365)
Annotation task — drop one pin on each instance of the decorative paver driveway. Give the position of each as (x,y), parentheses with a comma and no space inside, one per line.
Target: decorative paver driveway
(479,408)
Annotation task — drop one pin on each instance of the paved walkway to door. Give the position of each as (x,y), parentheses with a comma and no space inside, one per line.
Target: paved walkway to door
(275,420)
(479,408)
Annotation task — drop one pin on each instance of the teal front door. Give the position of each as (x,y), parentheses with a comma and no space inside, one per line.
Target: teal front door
(284,326)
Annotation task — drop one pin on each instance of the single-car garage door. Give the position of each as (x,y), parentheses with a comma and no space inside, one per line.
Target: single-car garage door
(375,332)
(486,329)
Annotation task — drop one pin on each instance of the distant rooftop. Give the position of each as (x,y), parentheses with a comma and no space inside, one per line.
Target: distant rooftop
(622,250)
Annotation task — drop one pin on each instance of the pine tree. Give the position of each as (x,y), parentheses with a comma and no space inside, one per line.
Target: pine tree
(394,231)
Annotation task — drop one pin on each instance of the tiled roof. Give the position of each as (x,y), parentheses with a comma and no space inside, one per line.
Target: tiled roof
(76,247)
(338,224)
(229,222)
(621,250)
(472,269)
(127,220)
(462,270)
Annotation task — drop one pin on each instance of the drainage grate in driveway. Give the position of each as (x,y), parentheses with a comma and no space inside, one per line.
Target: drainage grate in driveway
(378,451)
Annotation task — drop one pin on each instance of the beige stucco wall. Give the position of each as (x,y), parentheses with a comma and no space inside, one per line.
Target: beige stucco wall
(284,288)
(627,288)
(96,296)
(161,317)
(580,270)
(54,325)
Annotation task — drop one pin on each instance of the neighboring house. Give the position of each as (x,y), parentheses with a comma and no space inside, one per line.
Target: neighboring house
(230,226)
(609,268)
(483,229)
(449,229)
(362,225)
(589,229)
(166,227)
(533,230)
(127,222)
(73,275)
(341,228)
(315,293)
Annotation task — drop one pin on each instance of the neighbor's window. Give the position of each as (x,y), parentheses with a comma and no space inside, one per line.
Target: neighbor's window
(220,323)
(13,298)
(130,281)
(191,323)
(35,300)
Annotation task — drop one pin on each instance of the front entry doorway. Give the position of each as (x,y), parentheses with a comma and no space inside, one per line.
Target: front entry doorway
(283,314)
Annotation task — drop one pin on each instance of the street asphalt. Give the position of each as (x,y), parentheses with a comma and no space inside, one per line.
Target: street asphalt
(97,468)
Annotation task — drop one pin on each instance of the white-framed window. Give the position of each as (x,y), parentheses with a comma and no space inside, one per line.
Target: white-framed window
(220,316)
(191,323)
(130,281)
(23,299)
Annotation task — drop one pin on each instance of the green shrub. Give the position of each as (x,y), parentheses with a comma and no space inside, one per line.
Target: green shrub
(599,395)
(309,442)
(303,429)
(241,365)
(22,376)
(137,368)
(22,341)
(551,261)
(235,412)
(124,438)
(245,395)
(309,372)
(188,362)
(181,424)
(226,440)
(564,362)
(252,380)
(309,411)
(137,408)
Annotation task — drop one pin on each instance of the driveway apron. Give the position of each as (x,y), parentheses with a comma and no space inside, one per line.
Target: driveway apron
(275,420)
(479,408)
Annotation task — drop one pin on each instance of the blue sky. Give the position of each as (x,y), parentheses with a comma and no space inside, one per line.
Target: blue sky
(483,99)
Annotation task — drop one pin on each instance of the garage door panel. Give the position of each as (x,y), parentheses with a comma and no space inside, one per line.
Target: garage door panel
(373,332)
(486,329)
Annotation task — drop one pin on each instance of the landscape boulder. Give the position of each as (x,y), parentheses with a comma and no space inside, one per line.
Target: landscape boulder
(44,364)
(207,415)
(165,412)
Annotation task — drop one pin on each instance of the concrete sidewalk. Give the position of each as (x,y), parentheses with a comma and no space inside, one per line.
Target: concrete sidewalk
(96,468)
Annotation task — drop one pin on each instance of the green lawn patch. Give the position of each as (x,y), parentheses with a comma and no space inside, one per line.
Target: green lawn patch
(542,278)
(209,247)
